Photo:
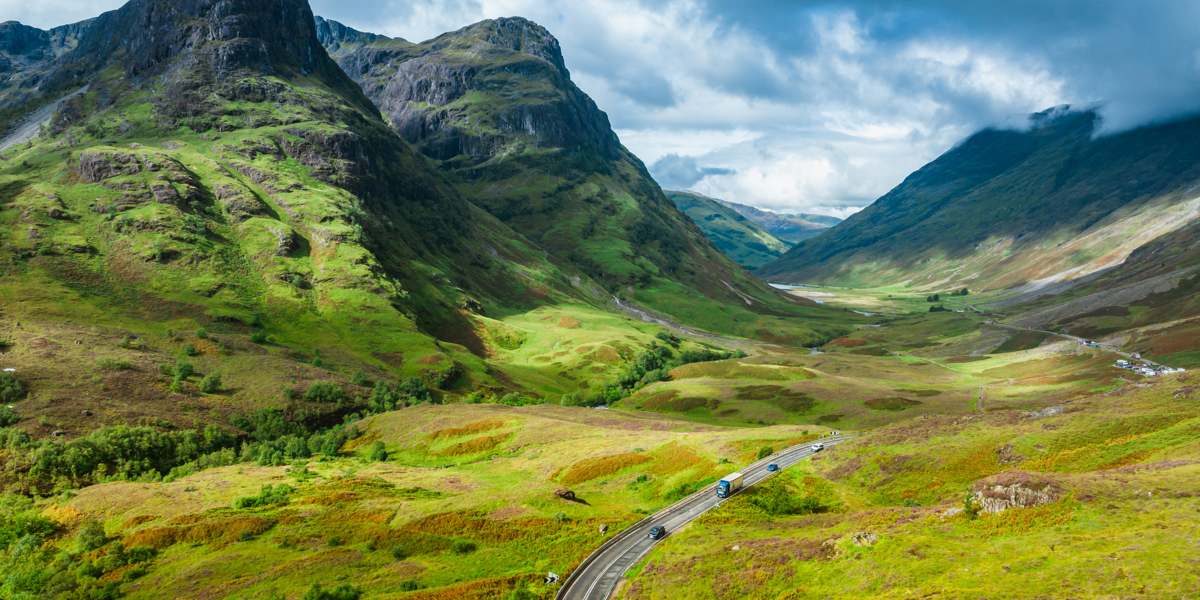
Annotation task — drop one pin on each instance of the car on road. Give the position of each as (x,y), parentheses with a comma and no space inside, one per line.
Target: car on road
(818,447)
(772,467)
(658,532)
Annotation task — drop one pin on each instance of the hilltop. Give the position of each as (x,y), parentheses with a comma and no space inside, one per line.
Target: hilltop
(741,239)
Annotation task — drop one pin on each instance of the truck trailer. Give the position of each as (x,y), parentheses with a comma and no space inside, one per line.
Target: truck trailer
(729,485)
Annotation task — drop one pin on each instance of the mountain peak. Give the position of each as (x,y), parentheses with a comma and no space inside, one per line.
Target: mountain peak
(516,34)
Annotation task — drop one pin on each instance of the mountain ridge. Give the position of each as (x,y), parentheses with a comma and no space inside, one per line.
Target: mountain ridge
(740,238)
(1006,208)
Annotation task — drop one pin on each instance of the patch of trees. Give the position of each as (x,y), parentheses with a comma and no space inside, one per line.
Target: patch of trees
(937,308)
(652,365)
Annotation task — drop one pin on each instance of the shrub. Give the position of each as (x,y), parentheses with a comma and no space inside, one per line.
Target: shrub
(521,592)
(125,343)
(258,337)
(416,388)
(202,334)
(765,451)
(91,535)
(325,392)
(971,506)
(409,585)
(341,592)
(10,389)
(317,362)
(211,384)
(189,349)
(379,451)
(462,547)
(561,517)
(245,536)
(8,416)
(335,540)
(359,379)
(112,364)
(937,308)
(267,496)
(399,553)
(183,370)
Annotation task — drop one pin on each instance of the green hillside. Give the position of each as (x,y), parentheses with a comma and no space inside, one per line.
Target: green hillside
(1006,208)
(791,228)
(741,239)
(494,107)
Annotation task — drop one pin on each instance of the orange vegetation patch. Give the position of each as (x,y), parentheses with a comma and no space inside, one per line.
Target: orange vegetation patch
(568,323)
(475,446)
(847,342)
(477,526)
(219,531)
(477,427)
(667,401)
(605,354)
(494,588)
(432,359)
(966,359)
(138,520)
(600,466)
(673,458)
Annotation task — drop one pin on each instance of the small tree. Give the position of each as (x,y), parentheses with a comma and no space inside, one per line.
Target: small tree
(971,506)
(10,389)
(202,333)
(765,451)
(91,535)
(189,349)
(183,370)
(379,451)
(211,384)
(125,343)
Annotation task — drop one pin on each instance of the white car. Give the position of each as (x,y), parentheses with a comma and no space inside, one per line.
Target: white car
(818,447)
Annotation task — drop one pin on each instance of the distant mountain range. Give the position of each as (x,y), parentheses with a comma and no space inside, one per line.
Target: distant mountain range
(1006,208)
(791,228)
(745,241)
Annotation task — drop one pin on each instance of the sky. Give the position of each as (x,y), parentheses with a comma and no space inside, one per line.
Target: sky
(818,107)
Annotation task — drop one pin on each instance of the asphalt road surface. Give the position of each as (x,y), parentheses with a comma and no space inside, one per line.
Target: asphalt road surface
(598,578)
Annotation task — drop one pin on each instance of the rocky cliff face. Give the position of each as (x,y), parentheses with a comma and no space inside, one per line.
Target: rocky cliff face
(423,88)
(27,58)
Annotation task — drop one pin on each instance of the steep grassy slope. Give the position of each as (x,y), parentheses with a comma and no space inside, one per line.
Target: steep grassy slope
(791,228)
(494,104)
(223,174)
(741,239)
(1010,207)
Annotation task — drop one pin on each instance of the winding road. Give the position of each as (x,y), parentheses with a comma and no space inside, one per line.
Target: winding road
(1081,340)
(597,577)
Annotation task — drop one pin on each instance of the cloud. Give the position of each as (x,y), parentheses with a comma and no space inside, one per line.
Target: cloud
(806,104)
(680,172)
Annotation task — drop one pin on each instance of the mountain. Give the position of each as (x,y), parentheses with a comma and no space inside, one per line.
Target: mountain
(222,175)
(741,239)
(1008,208)
(493,105)
(791,228)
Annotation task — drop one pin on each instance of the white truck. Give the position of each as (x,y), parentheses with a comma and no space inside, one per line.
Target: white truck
(729,485)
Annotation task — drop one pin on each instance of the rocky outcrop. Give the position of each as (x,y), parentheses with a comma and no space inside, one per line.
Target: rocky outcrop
(421,89)
(1015,489)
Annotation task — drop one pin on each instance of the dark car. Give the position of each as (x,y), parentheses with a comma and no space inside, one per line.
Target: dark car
(772,467)
(658,532)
